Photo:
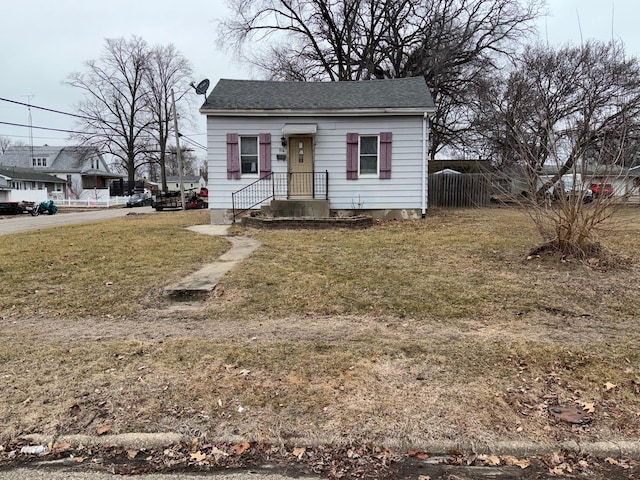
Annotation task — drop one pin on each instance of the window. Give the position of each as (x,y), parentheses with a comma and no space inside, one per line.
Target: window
(249,155)
(369,155)
(33,160)
(44,162)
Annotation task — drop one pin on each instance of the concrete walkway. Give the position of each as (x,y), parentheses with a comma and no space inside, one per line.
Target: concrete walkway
(204,280)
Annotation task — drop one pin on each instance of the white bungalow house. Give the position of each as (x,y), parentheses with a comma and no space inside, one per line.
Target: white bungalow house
(83,169)
(27,185)
(190,182)
(351,146)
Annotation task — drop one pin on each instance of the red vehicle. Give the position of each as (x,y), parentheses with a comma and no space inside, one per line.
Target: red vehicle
(600,188)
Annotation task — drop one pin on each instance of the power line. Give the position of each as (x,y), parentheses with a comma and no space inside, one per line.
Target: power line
(40,128)
(193,142)
(45,109)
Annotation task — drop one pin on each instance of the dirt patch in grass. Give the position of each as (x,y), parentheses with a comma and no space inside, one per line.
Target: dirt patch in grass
(402,334)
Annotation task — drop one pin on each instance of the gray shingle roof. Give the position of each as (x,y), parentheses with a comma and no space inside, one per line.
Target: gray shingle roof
(59,159)
(29,175)
(398,93)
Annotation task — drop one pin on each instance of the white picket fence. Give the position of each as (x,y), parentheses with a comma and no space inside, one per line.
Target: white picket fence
(88,202)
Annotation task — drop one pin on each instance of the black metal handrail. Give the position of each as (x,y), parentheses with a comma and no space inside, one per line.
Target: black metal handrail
(278,186)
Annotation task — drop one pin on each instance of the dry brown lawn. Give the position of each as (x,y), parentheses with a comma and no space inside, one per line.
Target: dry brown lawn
(401,334)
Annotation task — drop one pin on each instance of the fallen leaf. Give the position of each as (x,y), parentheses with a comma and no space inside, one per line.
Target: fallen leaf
(299,452)
(609,386)
(103,429)
(61,447)
(514,461)
(492,461)
(424,477)
(588,406)
(79,459)
(198,456)
(132,454)
(241,448)
(611,461)
(418,454)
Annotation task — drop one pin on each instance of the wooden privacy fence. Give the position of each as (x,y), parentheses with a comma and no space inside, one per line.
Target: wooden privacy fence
(459,190)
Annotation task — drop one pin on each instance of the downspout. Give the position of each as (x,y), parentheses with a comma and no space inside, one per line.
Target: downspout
(425,164)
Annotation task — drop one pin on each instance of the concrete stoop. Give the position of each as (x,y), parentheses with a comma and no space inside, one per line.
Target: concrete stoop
(299,208)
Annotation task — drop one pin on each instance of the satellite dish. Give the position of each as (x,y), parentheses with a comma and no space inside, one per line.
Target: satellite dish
(201,88)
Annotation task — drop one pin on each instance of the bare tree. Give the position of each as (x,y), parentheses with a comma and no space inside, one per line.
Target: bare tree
(575,109)
(6,142)
(189,161)
(452,43)
(115,107)
(168,70)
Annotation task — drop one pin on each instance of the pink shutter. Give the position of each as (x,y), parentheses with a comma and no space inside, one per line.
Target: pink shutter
(385,155)
(233,157)
(352,156)
(265,154)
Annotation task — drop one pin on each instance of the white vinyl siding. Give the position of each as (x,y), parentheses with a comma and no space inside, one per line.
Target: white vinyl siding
(402,191)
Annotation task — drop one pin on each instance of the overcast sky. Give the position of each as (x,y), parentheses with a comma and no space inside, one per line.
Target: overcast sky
(42,41)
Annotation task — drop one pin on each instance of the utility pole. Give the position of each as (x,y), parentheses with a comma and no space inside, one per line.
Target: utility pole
(178,152)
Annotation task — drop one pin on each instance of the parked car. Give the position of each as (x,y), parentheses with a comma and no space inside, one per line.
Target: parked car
(572,188)
(599,188)
(140,200)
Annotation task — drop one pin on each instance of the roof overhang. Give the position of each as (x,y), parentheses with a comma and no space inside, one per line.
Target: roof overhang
(370,112)
(299,129)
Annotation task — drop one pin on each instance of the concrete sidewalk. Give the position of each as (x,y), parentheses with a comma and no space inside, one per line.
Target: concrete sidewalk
(204,280)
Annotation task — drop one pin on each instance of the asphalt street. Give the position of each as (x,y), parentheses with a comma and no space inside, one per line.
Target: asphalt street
(26,222)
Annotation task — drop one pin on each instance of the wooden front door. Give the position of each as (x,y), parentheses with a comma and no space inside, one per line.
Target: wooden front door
(301,167)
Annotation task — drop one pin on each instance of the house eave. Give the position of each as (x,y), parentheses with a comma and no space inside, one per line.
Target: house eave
(371,112)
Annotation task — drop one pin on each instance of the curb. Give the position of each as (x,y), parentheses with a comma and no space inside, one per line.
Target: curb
(139,441)
(614,449)
(133,441)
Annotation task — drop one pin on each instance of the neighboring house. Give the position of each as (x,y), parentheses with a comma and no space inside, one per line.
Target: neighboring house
(354,145)
(83,169)
(27,185)
(191,182)
(622,179)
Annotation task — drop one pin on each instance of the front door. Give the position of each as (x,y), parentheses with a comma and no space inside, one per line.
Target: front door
(301,167)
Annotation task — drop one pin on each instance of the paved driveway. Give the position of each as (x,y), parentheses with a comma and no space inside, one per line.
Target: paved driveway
(25,222)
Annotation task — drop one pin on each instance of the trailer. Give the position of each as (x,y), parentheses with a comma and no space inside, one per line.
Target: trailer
(172,200)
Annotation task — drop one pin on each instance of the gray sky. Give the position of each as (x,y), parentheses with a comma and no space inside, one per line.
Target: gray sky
(42,41)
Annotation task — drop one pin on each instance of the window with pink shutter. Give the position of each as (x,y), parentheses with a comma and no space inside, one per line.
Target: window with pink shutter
(233,157)
(352,156)
(385,155)
(265,154)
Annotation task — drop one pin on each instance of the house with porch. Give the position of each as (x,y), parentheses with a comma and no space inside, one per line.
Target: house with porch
(27,185)
(318,148)
(83,169)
